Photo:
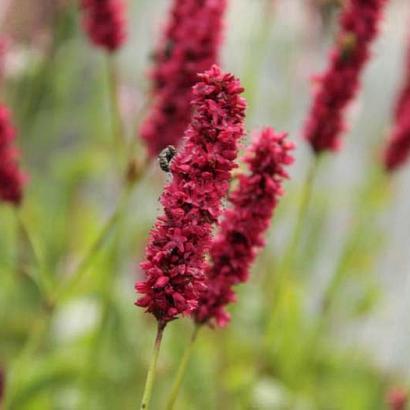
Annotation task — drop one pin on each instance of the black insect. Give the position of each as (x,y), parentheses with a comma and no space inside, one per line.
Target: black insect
(165,157)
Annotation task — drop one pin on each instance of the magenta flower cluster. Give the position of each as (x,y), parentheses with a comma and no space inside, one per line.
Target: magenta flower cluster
(190,45)
(11,178)
(339,84)
(105,23)
(398,148)
(244,223)
(174,264)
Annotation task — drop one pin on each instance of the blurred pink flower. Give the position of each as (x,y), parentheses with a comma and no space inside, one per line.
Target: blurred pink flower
(339,84)
(190,45)
(105,22)
(398,146)
(397,398)
(174,262)
(11,178)
(244,223)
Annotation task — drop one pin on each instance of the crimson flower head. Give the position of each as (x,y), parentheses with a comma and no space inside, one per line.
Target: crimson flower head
(105,23)
(174,264)
(339,84)
(398,147)
(189,45)
(11,178)
(244,223)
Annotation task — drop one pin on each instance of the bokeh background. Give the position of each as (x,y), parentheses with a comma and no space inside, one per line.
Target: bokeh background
(343,351)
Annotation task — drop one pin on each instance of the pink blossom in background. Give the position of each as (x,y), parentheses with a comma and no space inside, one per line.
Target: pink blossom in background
(190,45)
(398,147)
(397,398)
(105,22)
(340,83)
(244,223)
(174,264)
(11,178)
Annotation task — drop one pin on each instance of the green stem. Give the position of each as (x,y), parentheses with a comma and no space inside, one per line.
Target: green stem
(92,366)
(255,60)
(26,238)
(66,290)
(31,346)
(149,383)
(302,212)
(116,120)
(285,267)
(182,369)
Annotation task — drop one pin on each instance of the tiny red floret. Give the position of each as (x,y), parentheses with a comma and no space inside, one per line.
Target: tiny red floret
(244,223)
(174,264)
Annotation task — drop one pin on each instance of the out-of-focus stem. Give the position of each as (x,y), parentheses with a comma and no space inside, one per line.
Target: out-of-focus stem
(26,239)
(113,89)
(302,212)
(93,358)
(66,289)
(182,369)
(149,383)
(285,267)
(31,346)
(256,57)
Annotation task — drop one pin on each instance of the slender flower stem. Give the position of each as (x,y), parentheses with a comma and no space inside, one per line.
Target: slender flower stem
(26,238)
(113,89)
(284,269)
(302,212)
(66,289)
(149,383)
(30,348)
(182,369)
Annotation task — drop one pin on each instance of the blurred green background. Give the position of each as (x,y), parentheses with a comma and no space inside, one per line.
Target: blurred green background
(338,337)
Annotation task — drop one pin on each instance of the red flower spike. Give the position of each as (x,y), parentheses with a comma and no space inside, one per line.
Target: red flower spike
(339,84)
(244,223)
(105,23)
(190,45)
(11,178)
(398,147)
(174,263)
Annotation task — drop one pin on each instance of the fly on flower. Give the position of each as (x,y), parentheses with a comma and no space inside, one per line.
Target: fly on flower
(165,157)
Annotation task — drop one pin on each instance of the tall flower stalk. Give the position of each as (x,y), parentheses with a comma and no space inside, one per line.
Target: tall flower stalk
(397,150)
(241,232)
(244,224)
(189,45)
(340,82)
(174,264)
